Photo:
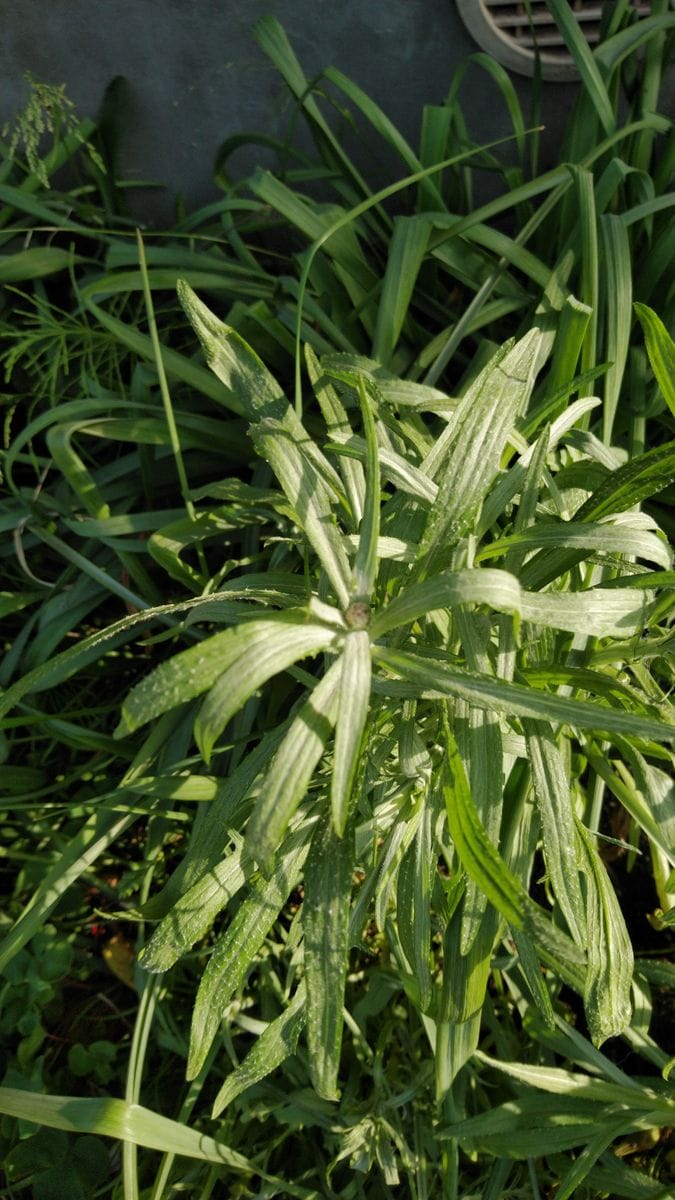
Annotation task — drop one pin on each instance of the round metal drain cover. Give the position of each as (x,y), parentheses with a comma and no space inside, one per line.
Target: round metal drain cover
(514,32)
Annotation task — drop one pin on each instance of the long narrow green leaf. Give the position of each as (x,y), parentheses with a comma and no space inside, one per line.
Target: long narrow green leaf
(126,1122)
(365,563)
(594,85)
(193,915)
(484,422)
(406,253)
(643,476)
(465,976)
(290,772)
(35,262)
(591,612)
(435,680)
(480,746)
(252,654)
(561,1082)
(353,706)
(413,906)
(617,265)
(308,495)
(326,911)
(595,537)
(339,428)
(607,995)
(479,857)
(661,351)
(176,365)
(235,950)
(552,793)
(274,1045)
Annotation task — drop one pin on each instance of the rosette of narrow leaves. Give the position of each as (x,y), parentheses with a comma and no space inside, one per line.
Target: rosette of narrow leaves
(503,668)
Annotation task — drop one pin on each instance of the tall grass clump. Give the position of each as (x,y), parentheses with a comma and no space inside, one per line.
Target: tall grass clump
(336,701)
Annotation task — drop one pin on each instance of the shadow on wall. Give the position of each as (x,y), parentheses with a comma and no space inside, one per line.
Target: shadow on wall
(196,76)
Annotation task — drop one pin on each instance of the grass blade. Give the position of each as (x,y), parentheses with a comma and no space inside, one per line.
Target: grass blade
(607,995)
(290,772)
(326,912)
(435,680)
(274,1045)
(351,721)
(661,351)
(255,652)
(235,951)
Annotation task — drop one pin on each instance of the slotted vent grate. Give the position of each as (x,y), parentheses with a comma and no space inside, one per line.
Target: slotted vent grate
(513,32)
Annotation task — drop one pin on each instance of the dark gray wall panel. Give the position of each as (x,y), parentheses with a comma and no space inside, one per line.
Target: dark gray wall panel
(196,75)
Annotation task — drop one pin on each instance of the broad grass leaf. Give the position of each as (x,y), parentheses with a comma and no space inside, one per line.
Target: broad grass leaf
(366,561)
(252,654)
(59,440)
(236,949)
(617,265)
(179,679)
(272,1047)
(193,914)
(221,277)
(177,366)
(326,914)
(309,497)
(118,1119)
(592,612)
(272,39)
(661,351)
(607,995)
(641,477)
(561,1082)
(432,679)
(331,226)
(353,705)
(484,421)
(465,975)
(339,428)
(36,262)
(613,50)
(594,85)
(413,905)
(290,772)
(597,537)
(551,788)
(407,249)
(572,326)
(479,742)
